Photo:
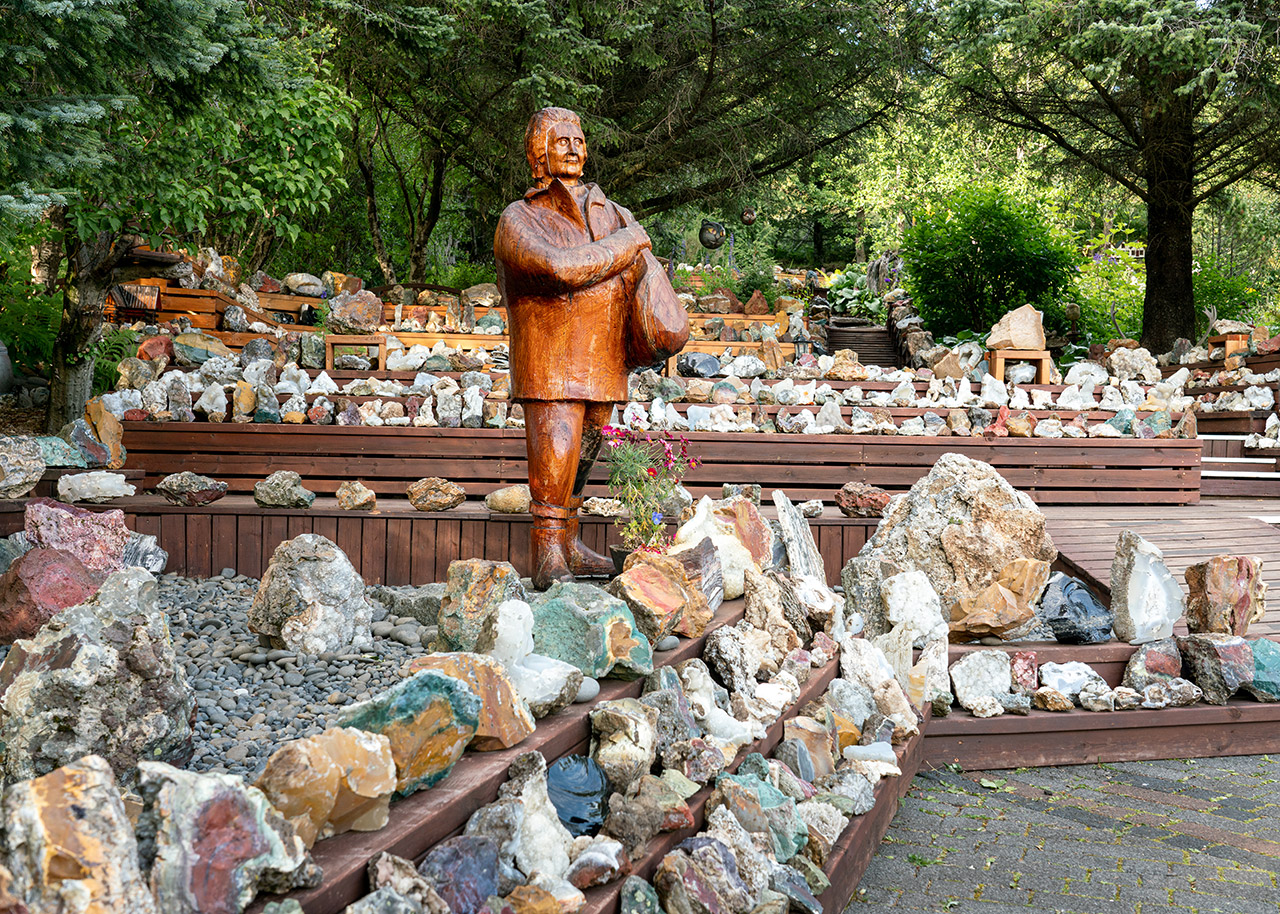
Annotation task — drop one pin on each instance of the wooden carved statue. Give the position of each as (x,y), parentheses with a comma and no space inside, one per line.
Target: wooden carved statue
(586,302)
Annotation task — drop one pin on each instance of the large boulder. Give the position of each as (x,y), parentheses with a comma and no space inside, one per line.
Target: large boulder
(1227,594)
(69,845)
(961,524)
(210,842)
(311,599)
(591,629)
(38,585)
(101,678)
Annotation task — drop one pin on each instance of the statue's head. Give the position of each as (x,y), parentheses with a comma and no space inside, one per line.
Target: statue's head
(555,146)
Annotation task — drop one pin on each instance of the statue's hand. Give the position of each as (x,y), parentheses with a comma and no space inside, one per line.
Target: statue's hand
(643,242)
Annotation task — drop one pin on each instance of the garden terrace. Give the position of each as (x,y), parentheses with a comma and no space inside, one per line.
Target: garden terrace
(1052,471)
(1086,542)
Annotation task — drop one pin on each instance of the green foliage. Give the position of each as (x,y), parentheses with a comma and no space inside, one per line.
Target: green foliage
(28,323)
(848,294)
(69,70)
(465,274)
(1110,289)
(981,254)
(118,344)
(1226,294)
(644,473)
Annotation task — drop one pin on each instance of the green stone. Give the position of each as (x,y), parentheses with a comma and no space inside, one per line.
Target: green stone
(789,832)
(813,875)
(429,719)
(638,897)
(197,348)
(58,453)
(1266,670)
(845,804)
(1122,421)
(469,607)
(591,629)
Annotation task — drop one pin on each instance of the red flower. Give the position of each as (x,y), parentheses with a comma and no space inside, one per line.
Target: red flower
(652,471)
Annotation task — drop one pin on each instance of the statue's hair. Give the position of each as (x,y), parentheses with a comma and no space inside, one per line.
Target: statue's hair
(535,136)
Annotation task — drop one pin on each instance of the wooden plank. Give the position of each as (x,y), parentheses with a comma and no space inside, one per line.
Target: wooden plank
(249,546)
(224,543)
(350,537)
(398,564)
(422,551)
(200,546)
(373,550)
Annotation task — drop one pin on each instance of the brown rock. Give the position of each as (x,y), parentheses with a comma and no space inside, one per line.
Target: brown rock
(154,347)
(354,495)
(846,367)
(1021,425)
(1113,345)
(108,430)
(1047,699)
(37,586)
(366,778)
(817,739)
(994,611)
(771,355)
(756,304)
(530,899)
(505,719)
(435,494)
(1022,328)
(1226,594)
(860,499)
(301,781)
(751,529)
(1025,579)
(948,367)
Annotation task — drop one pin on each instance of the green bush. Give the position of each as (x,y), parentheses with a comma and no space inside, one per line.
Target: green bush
(115,346)
(980,253)
(1227,295)
(1112,278)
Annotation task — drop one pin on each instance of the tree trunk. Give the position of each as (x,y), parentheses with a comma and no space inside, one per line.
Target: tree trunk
(83,302)
(46,257)
(1168,310)
(427,223)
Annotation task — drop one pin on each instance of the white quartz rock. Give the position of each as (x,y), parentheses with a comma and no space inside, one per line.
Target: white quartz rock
(97,486)
(1146,600)
(213,400)
(994,394)
(513,632)
(912,601)
(293,380)
(1069,678)
(1082,373)
(323,384)
(981,674)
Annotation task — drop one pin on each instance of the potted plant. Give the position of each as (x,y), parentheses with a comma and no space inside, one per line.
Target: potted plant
(851,303)
(645,472)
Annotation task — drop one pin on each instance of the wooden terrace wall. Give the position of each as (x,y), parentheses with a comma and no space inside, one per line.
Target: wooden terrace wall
(1051,471)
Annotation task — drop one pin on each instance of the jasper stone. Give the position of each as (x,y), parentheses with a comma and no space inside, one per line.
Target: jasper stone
(1155,661)
(211,843)
(37,586)
(860,499)
(657,590)
(584,625)
(1219,664)
(1226,594)
(464,872)
(599,863)
(580,792)
(97,538)
(505,719)
(429,719)
(67,836)
(1266,670)
(354,495)
(190,489)
(993,612)
(1073,613)
(701,878)
(469,607)
(637,897)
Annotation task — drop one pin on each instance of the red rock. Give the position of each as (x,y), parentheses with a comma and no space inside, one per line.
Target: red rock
(756,304)
(1267,347)
(860,499)
(156,346)
(749,527)
(136,415)
(269,285)
(37,586)
(1226,594)
(734,301)
(96,538)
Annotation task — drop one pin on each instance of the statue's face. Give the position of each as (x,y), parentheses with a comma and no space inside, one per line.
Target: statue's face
(566,152)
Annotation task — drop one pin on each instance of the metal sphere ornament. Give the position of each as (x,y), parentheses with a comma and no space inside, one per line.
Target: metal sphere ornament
(712,234)
(748,216)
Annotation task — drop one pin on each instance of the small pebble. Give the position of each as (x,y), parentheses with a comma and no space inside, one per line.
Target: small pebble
(589,689)
(669,643)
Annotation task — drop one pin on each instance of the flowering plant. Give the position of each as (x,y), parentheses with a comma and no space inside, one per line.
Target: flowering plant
(644,473)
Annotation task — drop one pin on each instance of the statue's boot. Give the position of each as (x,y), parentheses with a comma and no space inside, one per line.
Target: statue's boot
(583,560)
(550,545)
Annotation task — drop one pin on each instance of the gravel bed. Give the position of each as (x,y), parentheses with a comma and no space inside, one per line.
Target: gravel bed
(252,698)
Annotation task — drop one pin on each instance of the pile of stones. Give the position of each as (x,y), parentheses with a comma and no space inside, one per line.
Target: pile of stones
(964,557)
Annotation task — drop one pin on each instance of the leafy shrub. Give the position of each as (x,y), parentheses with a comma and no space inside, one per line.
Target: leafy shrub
(1228,295)
(28,319)
(1113,279)
(849,295)
(465,274)
(981,253)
